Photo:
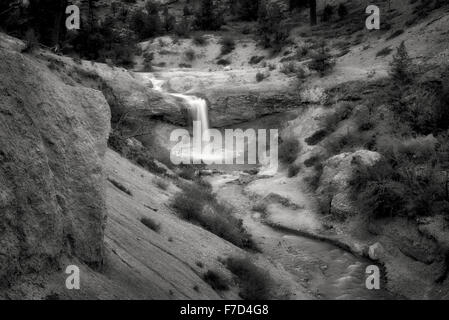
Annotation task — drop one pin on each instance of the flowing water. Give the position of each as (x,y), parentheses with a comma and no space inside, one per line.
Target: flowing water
(326,270)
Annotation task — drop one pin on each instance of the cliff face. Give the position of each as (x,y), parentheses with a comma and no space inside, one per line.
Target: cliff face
(52,141)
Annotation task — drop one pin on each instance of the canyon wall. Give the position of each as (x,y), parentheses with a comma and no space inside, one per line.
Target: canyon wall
(52,140)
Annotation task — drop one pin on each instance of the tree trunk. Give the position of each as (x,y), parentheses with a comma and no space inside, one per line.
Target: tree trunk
(312,4)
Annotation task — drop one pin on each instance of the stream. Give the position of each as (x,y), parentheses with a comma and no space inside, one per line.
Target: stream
(325,270)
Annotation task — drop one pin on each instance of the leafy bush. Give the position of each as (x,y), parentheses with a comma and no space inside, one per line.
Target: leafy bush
(151,224)
(190,54)
(161,183)
(260,77)
(254,281)
(322,61)
(272,30)
(207,18)
(223,62)
(196,203)
(289,150)
(31,41)
(199,40)
(146,25)
(342,10)
(328,12)
(227,45)
(215,280)
(293,170)
(384,52)
(120,186)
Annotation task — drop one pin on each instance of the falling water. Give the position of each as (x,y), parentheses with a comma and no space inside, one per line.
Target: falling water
(197,108)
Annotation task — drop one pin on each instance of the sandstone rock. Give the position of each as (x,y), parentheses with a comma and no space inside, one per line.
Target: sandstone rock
(337,173)
(52,141)
(376,251)
(227,108)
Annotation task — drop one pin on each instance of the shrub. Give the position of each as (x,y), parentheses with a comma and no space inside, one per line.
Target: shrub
(199,40)
(120,186)
(223,62)
(227,45)
(256,59)
(215,280)
(260,77)
(289,150)
(254,281)
(247,10)
(207,18)
(31,41)
(384,52)
(328,12)
(196,203)
(342,11)
(190,55)
(182,28)
(288,68)
(151,224)
(293,170)
(260,207)
(187,173)
(161,183)
(322,61)
(272,31)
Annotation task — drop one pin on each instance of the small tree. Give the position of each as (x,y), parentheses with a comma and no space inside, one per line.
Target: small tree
(401,65)
(342,10)
(328,12)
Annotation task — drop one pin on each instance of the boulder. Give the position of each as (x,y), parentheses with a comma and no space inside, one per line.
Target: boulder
(337,173)
(376,251)
(53,138)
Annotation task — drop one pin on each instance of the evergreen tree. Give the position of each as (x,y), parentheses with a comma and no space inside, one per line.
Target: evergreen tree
(401,65)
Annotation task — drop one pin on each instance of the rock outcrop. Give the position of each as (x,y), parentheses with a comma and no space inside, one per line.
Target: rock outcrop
(52,141)
(337,173)
(229,108)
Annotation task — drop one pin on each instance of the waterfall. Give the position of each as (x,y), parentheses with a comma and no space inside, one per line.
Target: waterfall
(197,107)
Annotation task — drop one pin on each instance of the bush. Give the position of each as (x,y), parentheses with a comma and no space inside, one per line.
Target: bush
(272,30)
(151,224)
(31,41)
(342,11)
(289,150)
(161,183)
(120,186)
(199,40)
(223,62)
(215,280)
(182,29)
(260,77)
(190,55)
(293,170)
(322,61)
(227,45)
(196,203)
(328,12)
(256,59)
(254,281)
(145,25)
(207,18)
(384,52)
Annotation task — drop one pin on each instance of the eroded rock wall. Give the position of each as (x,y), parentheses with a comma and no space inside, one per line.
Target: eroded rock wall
(52,141)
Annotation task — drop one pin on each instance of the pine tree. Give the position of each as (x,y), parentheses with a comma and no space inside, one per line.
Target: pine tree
(401,65)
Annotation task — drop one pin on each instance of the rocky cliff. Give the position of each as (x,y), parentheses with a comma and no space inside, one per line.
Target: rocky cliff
(52,141)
